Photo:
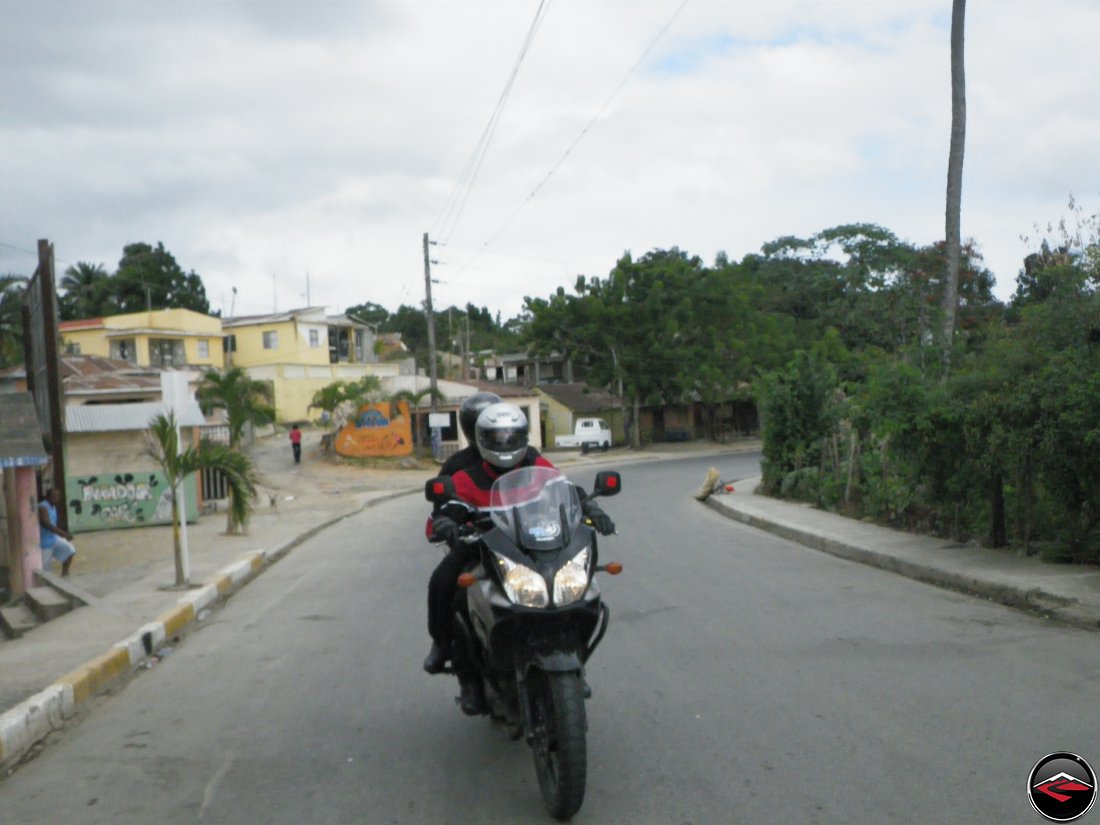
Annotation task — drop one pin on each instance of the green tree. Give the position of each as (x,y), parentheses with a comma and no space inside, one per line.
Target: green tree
(370,312)
(797,412)
(150,278)
(245,401)
(87,292)
(342,398)
(12,288)
(162,443)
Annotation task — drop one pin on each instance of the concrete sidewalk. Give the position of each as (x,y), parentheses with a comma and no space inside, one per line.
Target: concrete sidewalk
(1067,593)
(133,615)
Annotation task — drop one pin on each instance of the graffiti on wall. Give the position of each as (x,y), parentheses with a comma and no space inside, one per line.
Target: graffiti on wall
(377,430)
(107,502)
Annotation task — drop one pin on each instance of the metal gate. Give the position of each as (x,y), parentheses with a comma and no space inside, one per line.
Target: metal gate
(215,487)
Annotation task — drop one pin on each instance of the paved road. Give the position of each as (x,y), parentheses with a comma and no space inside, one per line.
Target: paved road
(744,680)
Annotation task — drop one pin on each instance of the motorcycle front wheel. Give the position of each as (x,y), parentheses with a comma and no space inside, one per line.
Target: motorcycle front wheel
(561,754)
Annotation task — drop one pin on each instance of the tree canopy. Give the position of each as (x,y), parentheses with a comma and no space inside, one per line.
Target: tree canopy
(147,277)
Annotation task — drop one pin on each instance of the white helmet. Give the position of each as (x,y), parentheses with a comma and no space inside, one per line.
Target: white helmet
(501,435)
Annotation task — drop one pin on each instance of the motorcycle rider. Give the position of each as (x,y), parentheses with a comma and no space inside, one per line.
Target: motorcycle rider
(501,435)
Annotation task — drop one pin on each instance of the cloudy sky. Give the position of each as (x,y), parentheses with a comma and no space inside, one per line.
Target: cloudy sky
(295,150)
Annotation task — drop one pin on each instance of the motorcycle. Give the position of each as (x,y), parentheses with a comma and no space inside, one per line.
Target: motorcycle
(529,614)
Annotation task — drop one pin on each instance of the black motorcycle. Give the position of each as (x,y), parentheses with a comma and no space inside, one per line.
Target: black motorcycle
(529,614)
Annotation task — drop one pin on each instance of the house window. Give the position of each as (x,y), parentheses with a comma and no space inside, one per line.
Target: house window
(271,339)
(314,338)
(229,343)
(124,350)
(72,348)
(166,352)
(204,348)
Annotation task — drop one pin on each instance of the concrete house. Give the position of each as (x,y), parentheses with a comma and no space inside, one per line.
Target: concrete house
(161,338)
(299,352)
(564,404)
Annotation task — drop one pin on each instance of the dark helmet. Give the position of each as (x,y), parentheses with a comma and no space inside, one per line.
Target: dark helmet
(501,434)
(471,408)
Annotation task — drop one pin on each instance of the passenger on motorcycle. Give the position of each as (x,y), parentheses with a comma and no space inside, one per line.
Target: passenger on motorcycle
(442,578)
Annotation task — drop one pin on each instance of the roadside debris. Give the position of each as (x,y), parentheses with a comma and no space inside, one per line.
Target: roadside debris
(713,485)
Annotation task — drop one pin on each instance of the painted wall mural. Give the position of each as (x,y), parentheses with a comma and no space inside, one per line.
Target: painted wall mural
(377,430)
(110,501)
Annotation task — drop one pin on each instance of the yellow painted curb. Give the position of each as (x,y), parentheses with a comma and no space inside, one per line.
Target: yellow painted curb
(223,583)
(93,675)
(177,618)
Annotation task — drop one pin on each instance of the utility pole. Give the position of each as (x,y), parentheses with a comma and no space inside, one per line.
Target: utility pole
(466,350)
(430,316)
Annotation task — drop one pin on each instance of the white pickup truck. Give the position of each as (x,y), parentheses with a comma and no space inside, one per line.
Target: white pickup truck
(588,434)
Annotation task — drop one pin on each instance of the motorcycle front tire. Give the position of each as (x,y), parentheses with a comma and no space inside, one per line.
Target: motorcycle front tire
(559,742)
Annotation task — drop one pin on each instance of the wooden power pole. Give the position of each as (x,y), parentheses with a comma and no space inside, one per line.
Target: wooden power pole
(429,315)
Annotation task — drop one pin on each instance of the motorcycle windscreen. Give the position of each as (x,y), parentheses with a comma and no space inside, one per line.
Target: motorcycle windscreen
(536,507)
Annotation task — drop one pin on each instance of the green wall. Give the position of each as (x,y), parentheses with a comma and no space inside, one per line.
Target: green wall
(108,501)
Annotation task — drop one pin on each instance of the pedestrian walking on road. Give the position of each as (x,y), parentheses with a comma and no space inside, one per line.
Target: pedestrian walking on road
(296,443)
(55,542)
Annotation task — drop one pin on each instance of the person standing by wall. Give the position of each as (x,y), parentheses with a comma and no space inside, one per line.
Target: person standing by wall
(296,443)
(56,543)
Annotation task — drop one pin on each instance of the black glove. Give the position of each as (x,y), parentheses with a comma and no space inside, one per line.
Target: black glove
(600,520)
(444,528)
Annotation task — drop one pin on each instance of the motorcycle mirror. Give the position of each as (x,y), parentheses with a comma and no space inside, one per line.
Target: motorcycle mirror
(439,490)
(608,483)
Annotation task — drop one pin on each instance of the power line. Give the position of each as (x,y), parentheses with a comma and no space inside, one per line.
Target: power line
(452,211)
(584,131)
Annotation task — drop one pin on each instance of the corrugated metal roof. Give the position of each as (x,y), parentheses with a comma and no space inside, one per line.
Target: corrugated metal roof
(99,418)
(581,397)
(20,438)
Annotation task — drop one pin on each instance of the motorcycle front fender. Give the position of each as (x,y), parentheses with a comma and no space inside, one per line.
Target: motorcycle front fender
(558,661)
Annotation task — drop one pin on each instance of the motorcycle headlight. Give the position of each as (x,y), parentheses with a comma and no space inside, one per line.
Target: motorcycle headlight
(572,580)
(523,585)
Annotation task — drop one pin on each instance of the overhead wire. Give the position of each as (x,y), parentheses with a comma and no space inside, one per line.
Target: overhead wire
(584,131)
(452,210)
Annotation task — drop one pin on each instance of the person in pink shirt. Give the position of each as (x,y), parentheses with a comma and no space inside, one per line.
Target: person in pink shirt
(296,443)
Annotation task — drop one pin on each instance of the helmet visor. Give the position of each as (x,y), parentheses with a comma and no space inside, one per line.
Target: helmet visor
(504,440)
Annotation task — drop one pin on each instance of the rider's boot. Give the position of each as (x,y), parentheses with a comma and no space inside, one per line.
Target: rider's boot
(437,657)
(472,698)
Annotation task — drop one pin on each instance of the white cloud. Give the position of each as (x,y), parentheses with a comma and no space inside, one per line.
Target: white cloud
(264,140)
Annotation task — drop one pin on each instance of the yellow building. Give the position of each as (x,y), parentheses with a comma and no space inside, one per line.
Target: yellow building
(163,338)
(301,351)
(298,352)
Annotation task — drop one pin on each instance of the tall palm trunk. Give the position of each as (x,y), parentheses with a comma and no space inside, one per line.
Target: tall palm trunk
(954,181)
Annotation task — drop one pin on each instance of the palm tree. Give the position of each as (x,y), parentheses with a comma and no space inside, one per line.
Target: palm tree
(414,399)
(162,442)
(86,294)
(245,401)
(338,395)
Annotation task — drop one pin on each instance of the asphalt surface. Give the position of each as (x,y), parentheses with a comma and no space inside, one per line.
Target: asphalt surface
(744,679)
(133,616)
